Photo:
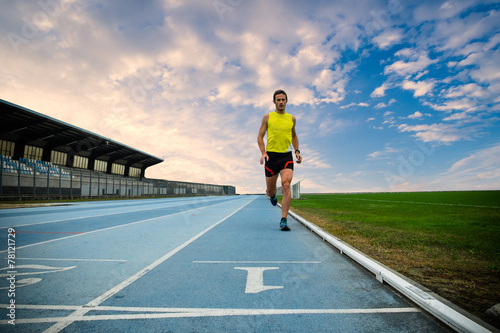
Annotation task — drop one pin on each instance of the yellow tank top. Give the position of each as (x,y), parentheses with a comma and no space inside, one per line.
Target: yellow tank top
(279,132)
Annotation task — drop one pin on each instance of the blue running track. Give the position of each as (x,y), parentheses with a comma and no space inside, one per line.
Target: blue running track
(204,264)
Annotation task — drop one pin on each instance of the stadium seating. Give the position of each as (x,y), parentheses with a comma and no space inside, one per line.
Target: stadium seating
(30,167)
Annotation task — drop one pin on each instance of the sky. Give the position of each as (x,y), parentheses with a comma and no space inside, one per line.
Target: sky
(389,96)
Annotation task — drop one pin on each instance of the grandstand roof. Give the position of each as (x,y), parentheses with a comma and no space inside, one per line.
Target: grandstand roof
(27,127)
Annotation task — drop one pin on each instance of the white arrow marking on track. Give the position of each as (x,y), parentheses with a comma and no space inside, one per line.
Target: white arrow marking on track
(255,279)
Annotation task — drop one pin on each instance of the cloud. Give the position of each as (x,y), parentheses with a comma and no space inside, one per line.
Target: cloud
(441,10)
(454,34)
(380,91)
(480,170)
(331,125)
(388,38)
(354,104)
(457,116)
(383,154)
(487,68)
(461,104)
(414,62)
(384,105)
(421,88)
(469,90)
(315,161)
(440,133)
(416,115)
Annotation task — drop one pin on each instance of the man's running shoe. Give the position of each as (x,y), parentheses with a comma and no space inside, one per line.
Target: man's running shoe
(274,200)
(283,225)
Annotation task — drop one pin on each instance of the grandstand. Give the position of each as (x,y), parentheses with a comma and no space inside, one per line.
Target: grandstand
(43,157)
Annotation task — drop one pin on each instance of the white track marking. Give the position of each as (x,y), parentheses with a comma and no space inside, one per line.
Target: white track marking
(255,279)
(162,309)
(68,259)
(158,313)
(48,269)
(257,262)
(80,313)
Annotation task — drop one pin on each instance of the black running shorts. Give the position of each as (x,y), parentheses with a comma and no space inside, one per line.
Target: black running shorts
(278,162)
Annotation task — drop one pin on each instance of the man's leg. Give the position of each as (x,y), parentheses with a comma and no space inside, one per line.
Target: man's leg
(286,180)
(271,185)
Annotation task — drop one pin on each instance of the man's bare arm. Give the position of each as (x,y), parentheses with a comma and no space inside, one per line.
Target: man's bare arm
(260,139)
(295,141)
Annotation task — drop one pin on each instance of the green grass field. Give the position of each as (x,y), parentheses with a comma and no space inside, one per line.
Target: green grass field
(447,241)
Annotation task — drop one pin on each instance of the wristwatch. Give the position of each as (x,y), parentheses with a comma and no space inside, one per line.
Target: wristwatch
(297,151)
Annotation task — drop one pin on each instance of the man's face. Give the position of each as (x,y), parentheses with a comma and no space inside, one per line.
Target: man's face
(280,102)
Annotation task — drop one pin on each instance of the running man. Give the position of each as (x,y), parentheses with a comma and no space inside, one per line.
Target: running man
(280,128)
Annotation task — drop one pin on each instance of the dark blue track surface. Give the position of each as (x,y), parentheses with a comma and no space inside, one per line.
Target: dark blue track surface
(209,264)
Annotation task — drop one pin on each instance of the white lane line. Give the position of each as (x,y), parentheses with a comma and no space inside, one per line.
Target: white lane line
(38,268)
(109,228)
(256,262)
(80,313)
(197,310)
(92,216)
(45,307)
(158,313)
(68,259)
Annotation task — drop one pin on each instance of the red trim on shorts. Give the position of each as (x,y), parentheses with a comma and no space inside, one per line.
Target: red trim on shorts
(272,173)
(287,164)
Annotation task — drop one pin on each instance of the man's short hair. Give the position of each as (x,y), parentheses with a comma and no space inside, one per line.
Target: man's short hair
(277,92)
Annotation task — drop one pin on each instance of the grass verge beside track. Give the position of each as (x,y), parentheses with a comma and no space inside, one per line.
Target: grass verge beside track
(446,241)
